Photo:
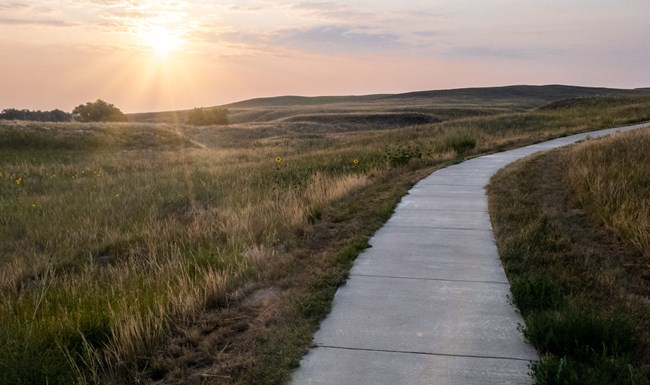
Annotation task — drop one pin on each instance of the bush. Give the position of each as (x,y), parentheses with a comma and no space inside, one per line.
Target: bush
(208,116)
(402,154)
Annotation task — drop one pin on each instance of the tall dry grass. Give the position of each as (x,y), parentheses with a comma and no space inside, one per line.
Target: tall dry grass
(612,178)
(102,248)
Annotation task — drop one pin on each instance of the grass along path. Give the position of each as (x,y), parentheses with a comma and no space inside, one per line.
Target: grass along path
(117,241)
(580,281)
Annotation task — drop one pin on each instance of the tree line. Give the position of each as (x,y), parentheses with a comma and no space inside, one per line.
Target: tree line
(97,111)
(38,116)
(101,111)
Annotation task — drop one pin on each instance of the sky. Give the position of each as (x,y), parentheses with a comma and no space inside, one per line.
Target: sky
(165,55)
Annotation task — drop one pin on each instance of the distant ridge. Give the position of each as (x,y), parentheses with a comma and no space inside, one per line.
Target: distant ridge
(546,92)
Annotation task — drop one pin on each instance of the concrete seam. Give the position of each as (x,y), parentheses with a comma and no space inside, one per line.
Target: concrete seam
(438,228)
(428,279)
(424,353)
(452,210)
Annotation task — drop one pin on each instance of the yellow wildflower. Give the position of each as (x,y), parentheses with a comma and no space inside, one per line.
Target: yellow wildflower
(278,160)
(19,181)
(356,162)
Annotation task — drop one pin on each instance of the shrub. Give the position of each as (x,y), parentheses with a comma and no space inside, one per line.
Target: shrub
(402,154)
(208,116)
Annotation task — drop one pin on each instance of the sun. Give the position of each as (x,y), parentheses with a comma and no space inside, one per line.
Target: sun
(161,39)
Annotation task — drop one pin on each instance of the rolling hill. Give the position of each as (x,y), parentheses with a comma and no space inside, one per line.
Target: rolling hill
(517,97)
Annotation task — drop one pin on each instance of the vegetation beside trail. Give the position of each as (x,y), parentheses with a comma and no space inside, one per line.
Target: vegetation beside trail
(567,225)
(611,177)
(135,252)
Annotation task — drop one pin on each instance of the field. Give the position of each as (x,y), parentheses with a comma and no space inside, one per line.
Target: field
(144,252)
(572,229)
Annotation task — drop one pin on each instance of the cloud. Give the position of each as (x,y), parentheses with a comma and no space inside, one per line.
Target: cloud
(50,23)
(336,39)
(13,6)
(426,33)
(478,52)
(318,5)
(332,10)
(241,8)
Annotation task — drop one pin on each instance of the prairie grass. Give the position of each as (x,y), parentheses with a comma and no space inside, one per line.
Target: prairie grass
(579,281)
(611,177)
(112,233)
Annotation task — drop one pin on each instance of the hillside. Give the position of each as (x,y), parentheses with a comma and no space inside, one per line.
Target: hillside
(541,94)
(496,99)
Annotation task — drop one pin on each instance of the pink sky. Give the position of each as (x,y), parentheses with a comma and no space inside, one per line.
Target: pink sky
(161,55)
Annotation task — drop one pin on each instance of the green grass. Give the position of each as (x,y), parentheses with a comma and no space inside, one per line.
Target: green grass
(112,235)
(581,288)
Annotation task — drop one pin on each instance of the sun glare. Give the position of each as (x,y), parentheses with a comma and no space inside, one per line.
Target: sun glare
(161,39)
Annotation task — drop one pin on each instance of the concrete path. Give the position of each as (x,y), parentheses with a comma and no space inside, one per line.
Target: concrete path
(427,303)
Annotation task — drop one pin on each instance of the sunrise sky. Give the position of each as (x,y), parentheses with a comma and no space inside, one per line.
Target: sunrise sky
(161,55)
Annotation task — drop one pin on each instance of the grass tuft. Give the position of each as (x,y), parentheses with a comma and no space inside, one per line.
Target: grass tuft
(577,331)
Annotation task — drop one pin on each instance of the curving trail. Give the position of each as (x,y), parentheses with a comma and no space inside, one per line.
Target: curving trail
(427,303)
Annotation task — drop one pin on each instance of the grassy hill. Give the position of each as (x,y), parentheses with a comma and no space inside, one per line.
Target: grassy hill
(519,93)
(439,104)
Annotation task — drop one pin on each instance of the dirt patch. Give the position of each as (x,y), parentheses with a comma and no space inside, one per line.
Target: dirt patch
(265,303)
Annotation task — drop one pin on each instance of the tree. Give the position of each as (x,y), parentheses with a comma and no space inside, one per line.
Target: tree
(208,116)
(59,116)
(98,111)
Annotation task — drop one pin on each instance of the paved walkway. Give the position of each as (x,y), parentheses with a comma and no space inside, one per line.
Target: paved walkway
(427,303)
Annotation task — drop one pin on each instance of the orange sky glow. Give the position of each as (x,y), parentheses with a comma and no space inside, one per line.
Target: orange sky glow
(163,55)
